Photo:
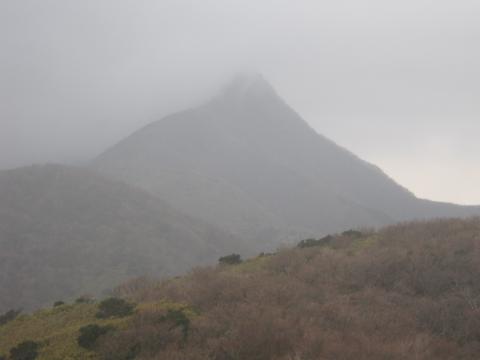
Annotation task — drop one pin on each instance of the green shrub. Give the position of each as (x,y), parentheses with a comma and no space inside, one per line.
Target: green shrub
(9,316)
(231,259)
(27,350)
(325,241)
(307,243)
(89,335)
(179,319)
(58,303)
(114,307)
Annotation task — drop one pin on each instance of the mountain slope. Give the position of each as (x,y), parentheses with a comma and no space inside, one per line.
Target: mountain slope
(247,162)
(65,231)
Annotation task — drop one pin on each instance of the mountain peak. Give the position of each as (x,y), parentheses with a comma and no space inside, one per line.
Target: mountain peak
(248,85)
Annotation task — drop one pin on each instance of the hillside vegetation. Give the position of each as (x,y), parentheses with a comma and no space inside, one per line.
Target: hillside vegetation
(66,231)
(55,330)
(408,291)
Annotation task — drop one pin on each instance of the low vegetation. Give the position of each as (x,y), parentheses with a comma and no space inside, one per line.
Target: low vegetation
(55,331)
(408,291)
(232,259)
(325,241)
(26,350)
(90,333)
(114,307)
(9,316)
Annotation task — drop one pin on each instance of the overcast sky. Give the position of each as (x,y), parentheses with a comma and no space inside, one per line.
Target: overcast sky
(397,82)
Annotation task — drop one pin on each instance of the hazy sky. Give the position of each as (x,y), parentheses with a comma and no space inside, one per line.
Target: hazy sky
(397,82)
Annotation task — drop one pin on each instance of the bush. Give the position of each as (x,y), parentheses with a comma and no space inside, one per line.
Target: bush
(231,259)
(58,303)
(327,240)
(89,335)
(10,315)
(179,319)
(112,307)
(27,350)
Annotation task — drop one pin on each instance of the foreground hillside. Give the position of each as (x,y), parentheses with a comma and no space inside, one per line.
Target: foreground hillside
(409,291)
(66,231)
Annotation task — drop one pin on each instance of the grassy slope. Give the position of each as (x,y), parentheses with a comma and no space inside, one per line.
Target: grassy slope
(55,329)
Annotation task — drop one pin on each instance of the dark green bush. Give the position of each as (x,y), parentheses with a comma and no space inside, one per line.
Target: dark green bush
(325,241)
(231,259)
(9,316)
(27,350)
(89,335)
(114,307)
(58,303)
(179,319)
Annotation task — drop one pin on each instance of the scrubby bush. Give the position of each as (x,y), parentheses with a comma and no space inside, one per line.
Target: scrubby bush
(150,332)
(179,319)
(231,259)
(327,240)
(114,307)
(89,335)
(58,303)
(8,316)
(27,350)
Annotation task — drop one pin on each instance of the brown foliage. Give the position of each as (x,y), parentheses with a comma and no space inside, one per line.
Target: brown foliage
(409,291)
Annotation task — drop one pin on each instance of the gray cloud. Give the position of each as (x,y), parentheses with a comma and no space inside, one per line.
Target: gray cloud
(395,81)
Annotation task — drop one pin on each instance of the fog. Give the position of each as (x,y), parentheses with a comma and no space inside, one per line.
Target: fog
(396,82)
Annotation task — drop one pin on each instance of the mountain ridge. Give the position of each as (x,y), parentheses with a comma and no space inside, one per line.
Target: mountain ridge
(249,140)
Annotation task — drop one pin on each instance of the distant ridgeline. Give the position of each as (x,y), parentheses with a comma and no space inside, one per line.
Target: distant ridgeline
(65,232)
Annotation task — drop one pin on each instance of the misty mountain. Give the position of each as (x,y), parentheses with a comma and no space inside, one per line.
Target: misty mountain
(246,162)
(66,231)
